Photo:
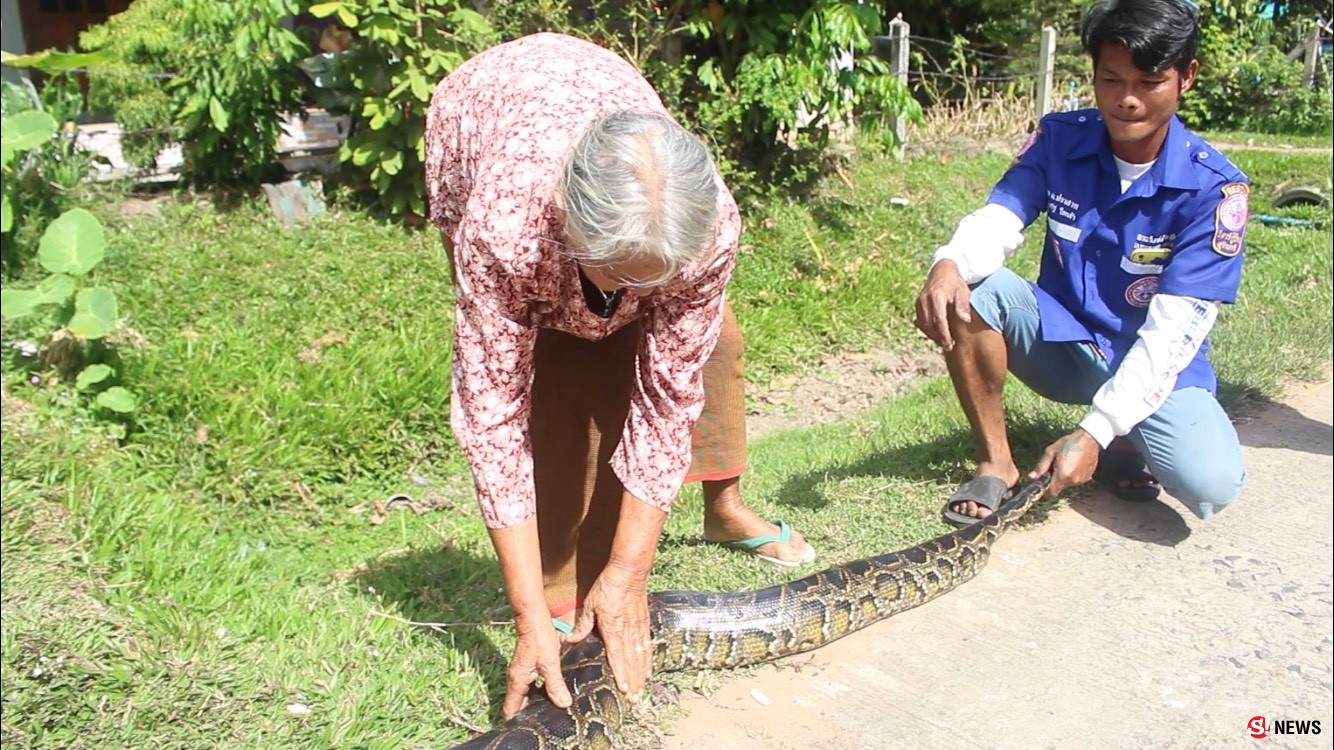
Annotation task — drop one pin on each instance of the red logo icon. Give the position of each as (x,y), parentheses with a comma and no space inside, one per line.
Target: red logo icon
(1258,728)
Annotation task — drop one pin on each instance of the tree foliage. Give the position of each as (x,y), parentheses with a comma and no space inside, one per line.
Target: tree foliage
(139,46)
(237,81)
(766,81)
(219,78)
(387,77)
(1246,80)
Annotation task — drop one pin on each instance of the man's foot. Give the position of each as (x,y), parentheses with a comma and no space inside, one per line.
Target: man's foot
(1124,473)
(734,522)
(975,500)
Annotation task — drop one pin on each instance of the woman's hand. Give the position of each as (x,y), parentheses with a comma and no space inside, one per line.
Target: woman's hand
(618,604)
(536,654)
(618,601)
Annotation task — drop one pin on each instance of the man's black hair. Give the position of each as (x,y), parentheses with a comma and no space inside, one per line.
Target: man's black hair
(1160,34)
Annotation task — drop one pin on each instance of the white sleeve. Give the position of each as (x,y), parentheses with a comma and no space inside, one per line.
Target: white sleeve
(1168,341)
(982,242)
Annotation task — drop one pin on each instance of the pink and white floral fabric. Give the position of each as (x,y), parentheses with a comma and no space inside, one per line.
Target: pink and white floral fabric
(499,130)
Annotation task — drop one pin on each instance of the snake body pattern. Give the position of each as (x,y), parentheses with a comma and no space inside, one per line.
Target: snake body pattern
(714,630)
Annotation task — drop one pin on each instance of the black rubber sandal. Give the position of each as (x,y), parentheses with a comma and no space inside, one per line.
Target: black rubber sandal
(988,492)
(1116,467)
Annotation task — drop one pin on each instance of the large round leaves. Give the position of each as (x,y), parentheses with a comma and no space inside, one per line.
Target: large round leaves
(74,243)
(95,313)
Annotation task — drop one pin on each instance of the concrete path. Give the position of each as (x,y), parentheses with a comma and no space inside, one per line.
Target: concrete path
(1111,625)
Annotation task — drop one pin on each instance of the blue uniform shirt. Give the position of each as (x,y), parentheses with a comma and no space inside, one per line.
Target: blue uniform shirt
(1179,229)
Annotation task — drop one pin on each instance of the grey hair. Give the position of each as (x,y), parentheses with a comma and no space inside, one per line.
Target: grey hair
(639,186)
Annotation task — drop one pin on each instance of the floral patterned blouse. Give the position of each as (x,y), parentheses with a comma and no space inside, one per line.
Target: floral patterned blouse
(498,133)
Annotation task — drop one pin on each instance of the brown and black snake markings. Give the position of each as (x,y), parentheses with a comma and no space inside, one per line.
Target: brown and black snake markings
(712,630)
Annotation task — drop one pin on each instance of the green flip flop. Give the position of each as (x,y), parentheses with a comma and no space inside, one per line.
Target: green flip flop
(783,536)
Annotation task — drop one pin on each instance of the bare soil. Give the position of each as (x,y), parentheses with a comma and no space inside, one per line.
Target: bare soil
(840,387)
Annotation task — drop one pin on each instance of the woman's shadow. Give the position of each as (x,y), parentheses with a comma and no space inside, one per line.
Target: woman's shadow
(452,594)
(948,459)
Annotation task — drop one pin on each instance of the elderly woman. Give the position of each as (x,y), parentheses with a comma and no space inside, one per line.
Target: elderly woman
(596,365)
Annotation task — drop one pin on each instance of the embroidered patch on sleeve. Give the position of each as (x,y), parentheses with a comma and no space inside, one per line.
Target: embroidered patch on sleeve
(1028,144)
(1230,219)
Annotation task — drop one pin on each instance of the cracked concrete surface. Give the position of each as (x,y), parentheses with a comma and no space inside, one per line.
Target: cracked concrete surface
(1110,625)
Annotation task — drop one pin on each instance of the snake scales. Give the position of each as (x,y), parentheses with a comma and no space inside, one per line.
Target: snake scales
(712,630)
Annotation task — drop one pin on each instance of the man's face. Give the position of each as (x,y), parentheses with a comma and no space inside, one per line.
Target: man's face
(1137,105)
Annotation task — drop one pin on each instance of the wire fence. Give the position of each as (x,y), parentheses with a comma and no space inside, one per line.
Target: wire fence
(112,73)
(996,91)
(963,82)
(955,45)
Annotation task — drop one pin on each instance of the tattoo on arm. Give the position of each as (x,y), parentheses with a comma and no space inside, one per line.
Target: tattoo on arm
(1070,446)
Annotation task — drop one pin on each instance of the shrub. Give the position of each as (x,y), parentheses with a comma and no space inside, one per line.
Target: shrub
(388,76)
(141,48)
(767,83)
(235,79)
(238,80)
(1246,81)
(71,319)
(42,162)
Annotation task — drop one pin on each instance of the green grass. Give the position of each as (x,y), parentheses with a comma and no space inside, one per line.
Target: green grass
(135,616)
(224,563)
(1268,140)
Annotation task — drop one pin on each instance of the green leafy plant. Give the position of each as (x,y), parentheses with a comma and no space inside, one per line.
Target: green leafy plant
(22,133)
(776,78)
(236,82)
(43,163)
(401,51)
(76,315)
(1246,80)
(767,83)
(141,47)
(74,319)
(218,78)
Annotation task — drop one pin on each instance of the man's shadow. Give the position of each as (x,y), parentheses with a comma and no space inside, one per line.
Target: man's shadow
(949,458)
(452,587)
(1157,521)
(1265,423)
(1261,422)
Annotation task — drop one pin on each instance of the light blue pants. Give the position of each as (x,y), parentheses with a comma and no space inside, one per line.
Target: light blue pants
(1189,443)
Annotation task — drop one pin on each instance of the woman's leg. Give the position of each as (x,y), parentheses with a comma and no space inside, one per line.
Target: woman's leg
(719,453)
(581,394)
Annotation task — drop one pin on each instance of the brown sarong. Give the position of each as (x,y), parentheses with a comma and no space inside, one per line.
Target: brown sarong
(580,398)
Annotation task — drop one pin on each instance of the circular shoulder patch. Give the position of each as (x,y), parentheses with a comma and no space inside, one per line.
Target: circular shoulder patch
(1140,292)
(1230,219)
(1233,212)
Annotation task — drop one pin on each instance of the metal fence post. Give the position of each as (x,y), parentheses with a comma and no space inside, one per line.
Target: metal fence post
(1046,64)
(898,67)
